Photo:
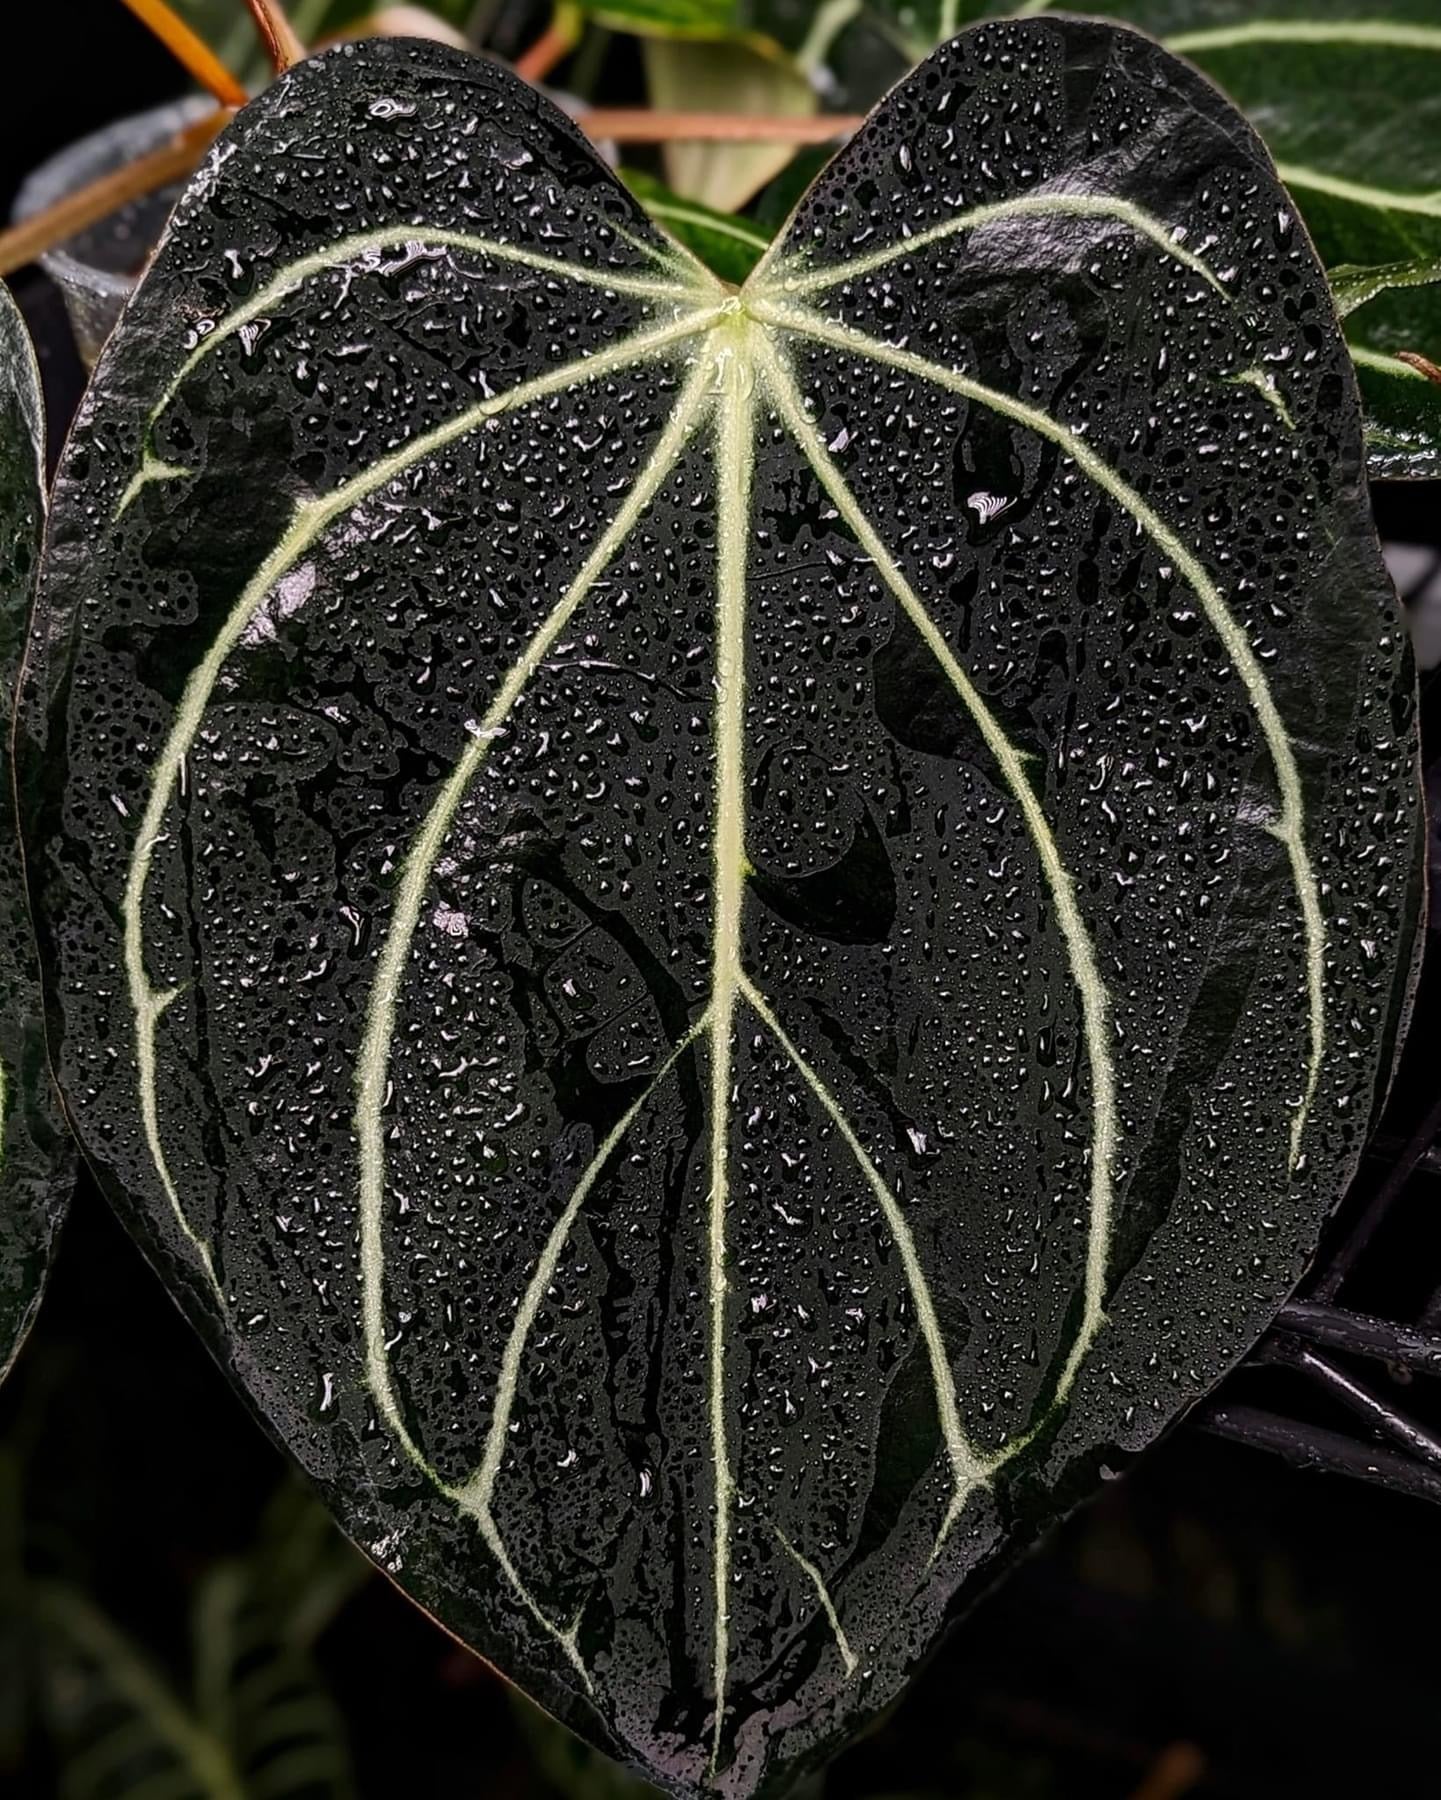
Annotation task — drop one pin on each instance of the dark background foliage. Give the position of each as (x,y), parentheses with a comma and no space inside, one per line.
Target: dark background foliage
(1219,1624)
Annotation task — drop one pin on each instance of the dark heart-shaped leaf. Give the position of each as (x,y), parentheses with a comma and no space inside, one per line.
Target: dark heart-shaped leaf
(725,940)
(36,1157)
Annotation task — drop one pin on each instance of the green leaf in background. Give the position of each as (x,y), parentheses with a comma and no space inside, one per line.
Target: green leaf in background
(820,36)
(728,246)
(229,29)
(318,20)
(1388,312)
(717,937)
(724,78)
(252,1720)
(37,1164)
(716,20)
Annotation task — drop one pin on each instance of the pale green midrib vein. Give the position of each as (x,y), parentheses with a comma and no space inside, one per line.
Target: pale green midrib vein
(766,283)
(373,1067)
(148,1006)
(1383,34)
(968,1468)
(343,250)
(828,1606)
(1361,193)
(1290,828)
(309,521)
(734,455)
(1080,952)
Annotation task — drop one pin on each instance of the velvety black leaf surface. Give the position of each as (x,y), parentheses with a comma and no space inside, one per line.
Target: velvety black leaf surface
(36,1157)
(725,941)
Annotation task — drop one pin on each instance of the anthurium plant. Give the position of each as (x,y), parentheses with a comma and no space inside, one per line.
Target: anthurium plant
(725,895)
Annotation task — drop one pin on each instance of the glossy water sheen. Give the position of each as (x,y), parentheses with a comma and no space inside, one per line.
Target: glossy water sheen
(37,1168)
(724,943)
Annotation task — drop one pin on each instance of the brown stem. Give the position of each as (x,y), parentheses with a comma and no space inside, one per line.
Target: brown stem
(1176,1771)
(621,125)
(1423,365)
(552,46)
(276,34)
(191,51)
(640,125)
(22,243)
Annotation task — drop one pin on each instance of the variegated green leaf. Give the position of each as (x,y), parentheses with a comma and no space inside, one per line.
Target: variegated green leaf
(724,939)
(36,1160)
(1392,312)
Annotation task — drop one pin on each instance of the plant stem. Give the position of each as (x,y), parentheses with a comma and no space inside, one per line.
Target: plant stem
(641,125)
(621,125)
(192,52)
(1423,365)
(22,243)
(276,34)
(553,46)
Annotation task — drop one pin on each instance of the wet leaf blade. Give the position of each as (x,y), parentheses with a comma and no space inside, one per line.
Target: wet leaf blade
(1368,189)
(37,1169)
(702,875)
